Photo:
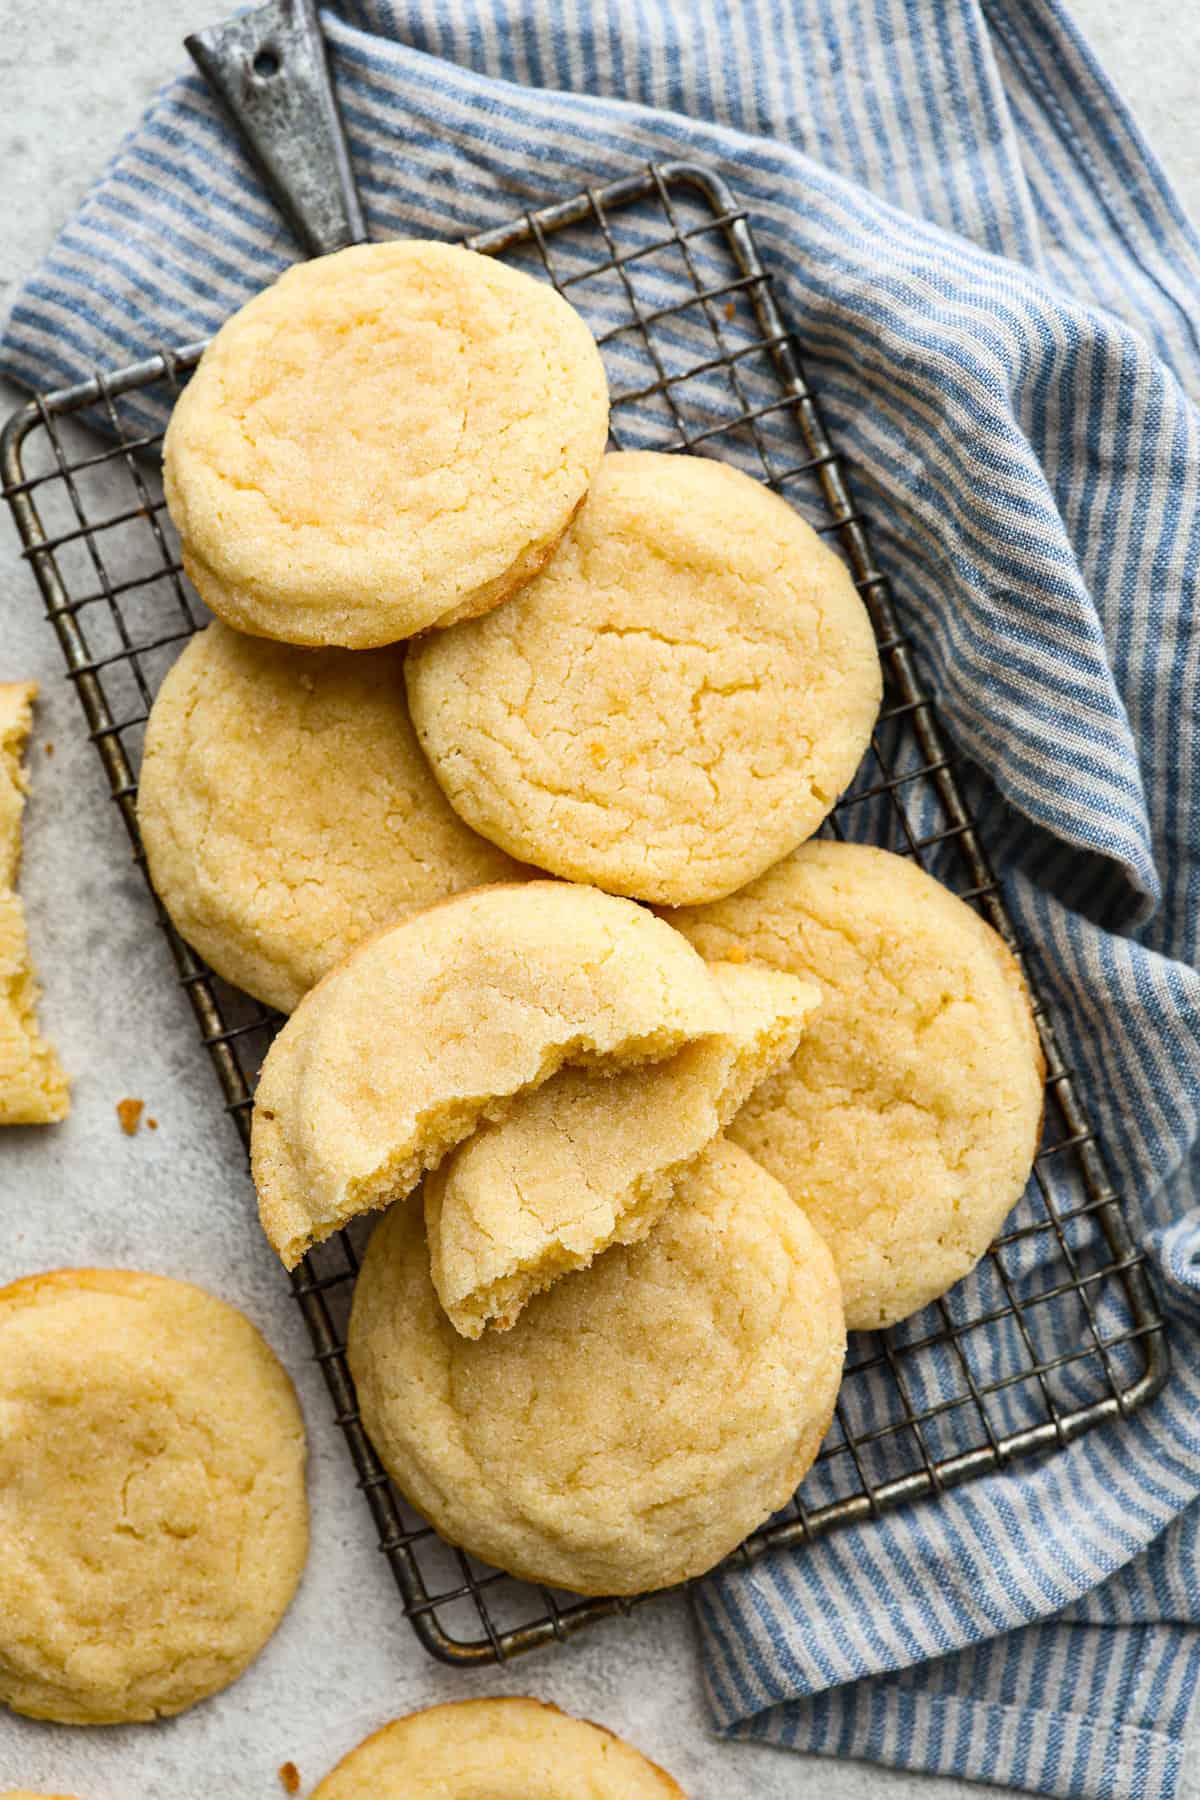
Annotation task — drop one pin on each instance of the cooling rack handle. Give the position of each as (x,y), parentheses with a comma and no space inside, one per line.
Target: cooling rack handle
(269,71)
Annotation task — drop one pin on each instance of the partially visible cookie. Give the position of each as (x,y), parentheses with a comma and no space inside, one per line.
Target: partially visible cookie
(591,1160)
(510,1748)
(33,1086)
(387,438)
(287,812)
(907,1122)
(434,1024)
(153,1516)
(676,701)
(640,1418)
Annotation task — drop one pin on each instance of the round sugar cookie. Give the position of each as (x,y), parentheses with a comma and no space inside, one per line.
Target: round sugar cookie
(153,1516)
(907,1122)
(640,1418)
(287,812)
(673,704)
(399,1052)
(588,1160)
(509,1748)
(387,438)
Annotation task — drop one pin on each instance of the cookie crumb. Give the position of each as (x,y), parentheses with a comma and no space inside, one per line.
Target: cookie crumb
(49,747)
(151,1124)
(599,754)
(289,1774)
(130,1112)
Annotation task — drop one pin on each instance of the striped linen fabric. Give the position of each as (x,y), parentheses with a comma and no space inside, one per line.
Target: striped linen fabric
(995,292)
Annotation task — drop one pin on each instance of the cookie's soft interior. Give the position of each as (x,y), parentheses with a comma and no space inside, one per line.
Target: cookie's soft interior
(592,1162)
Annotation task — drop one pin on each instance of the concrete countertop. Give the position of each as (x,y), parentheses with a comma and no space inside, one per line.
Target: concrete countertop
(76,77)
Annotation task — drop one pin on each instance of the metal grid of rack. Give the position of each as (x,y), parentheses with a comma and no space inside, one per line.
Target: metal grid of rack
(1058,1329)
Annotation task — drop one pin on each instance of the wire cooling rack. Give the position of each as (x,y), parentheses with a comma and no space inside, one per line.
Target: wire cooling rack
(1057,1331)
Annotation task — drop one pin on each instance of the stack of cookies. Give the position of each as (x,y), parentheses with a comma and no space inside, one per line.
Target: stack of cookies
(499,771)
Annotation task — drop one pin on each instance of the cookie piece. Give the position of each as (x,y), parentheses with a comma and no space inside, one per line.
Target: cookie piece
(510,1748)
(423,1031)
(153,1517)
(907,1122)
(641,1416)
(387,438)
(677,700)
(590,1160)
(33,1086)
(287,812)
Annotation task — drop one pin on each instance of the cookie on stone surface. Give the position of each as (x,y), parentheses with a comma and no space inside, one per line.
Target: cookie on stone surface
(590,1160)
(677,700)
(387,438)
(287,812)
(509,1748)
(907,1122)
(153,1515)
(398,1053)
(641,1417)
(34,1089)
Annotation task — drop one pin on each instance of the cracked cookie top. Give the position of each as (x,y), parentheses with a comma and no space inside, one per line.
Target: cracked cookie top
(673,704)
(387,438)
(507,1748)
(287,812)
(641,1417)
(153,1516)
(907,1121)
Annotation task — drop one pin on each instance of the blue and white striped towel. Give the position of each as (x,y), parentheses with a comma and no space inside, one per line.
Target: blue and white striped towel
(996,293)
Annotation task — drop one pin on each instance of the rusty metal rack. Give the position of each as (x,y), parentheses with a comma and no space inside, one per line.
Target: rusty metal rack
(1058,1329)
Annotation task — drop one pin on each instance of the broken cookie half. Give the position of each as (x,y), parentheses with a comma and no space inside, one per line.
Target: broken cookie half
(432,1026)
(589,1160)
(33,1085)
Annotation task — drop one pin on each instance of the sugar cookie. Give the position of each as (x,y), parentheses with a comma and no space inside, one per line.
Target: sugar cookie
(33,1086)
(590,1160)
(640,1418)
(287,812)
(153,1518)
(426,1029)
(675,702)
(509,1748)
(907,1122)
(387,438)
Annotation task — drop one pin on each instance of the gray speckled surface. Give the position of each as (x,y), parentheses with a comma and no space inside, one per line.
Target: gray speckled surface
(75,76)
